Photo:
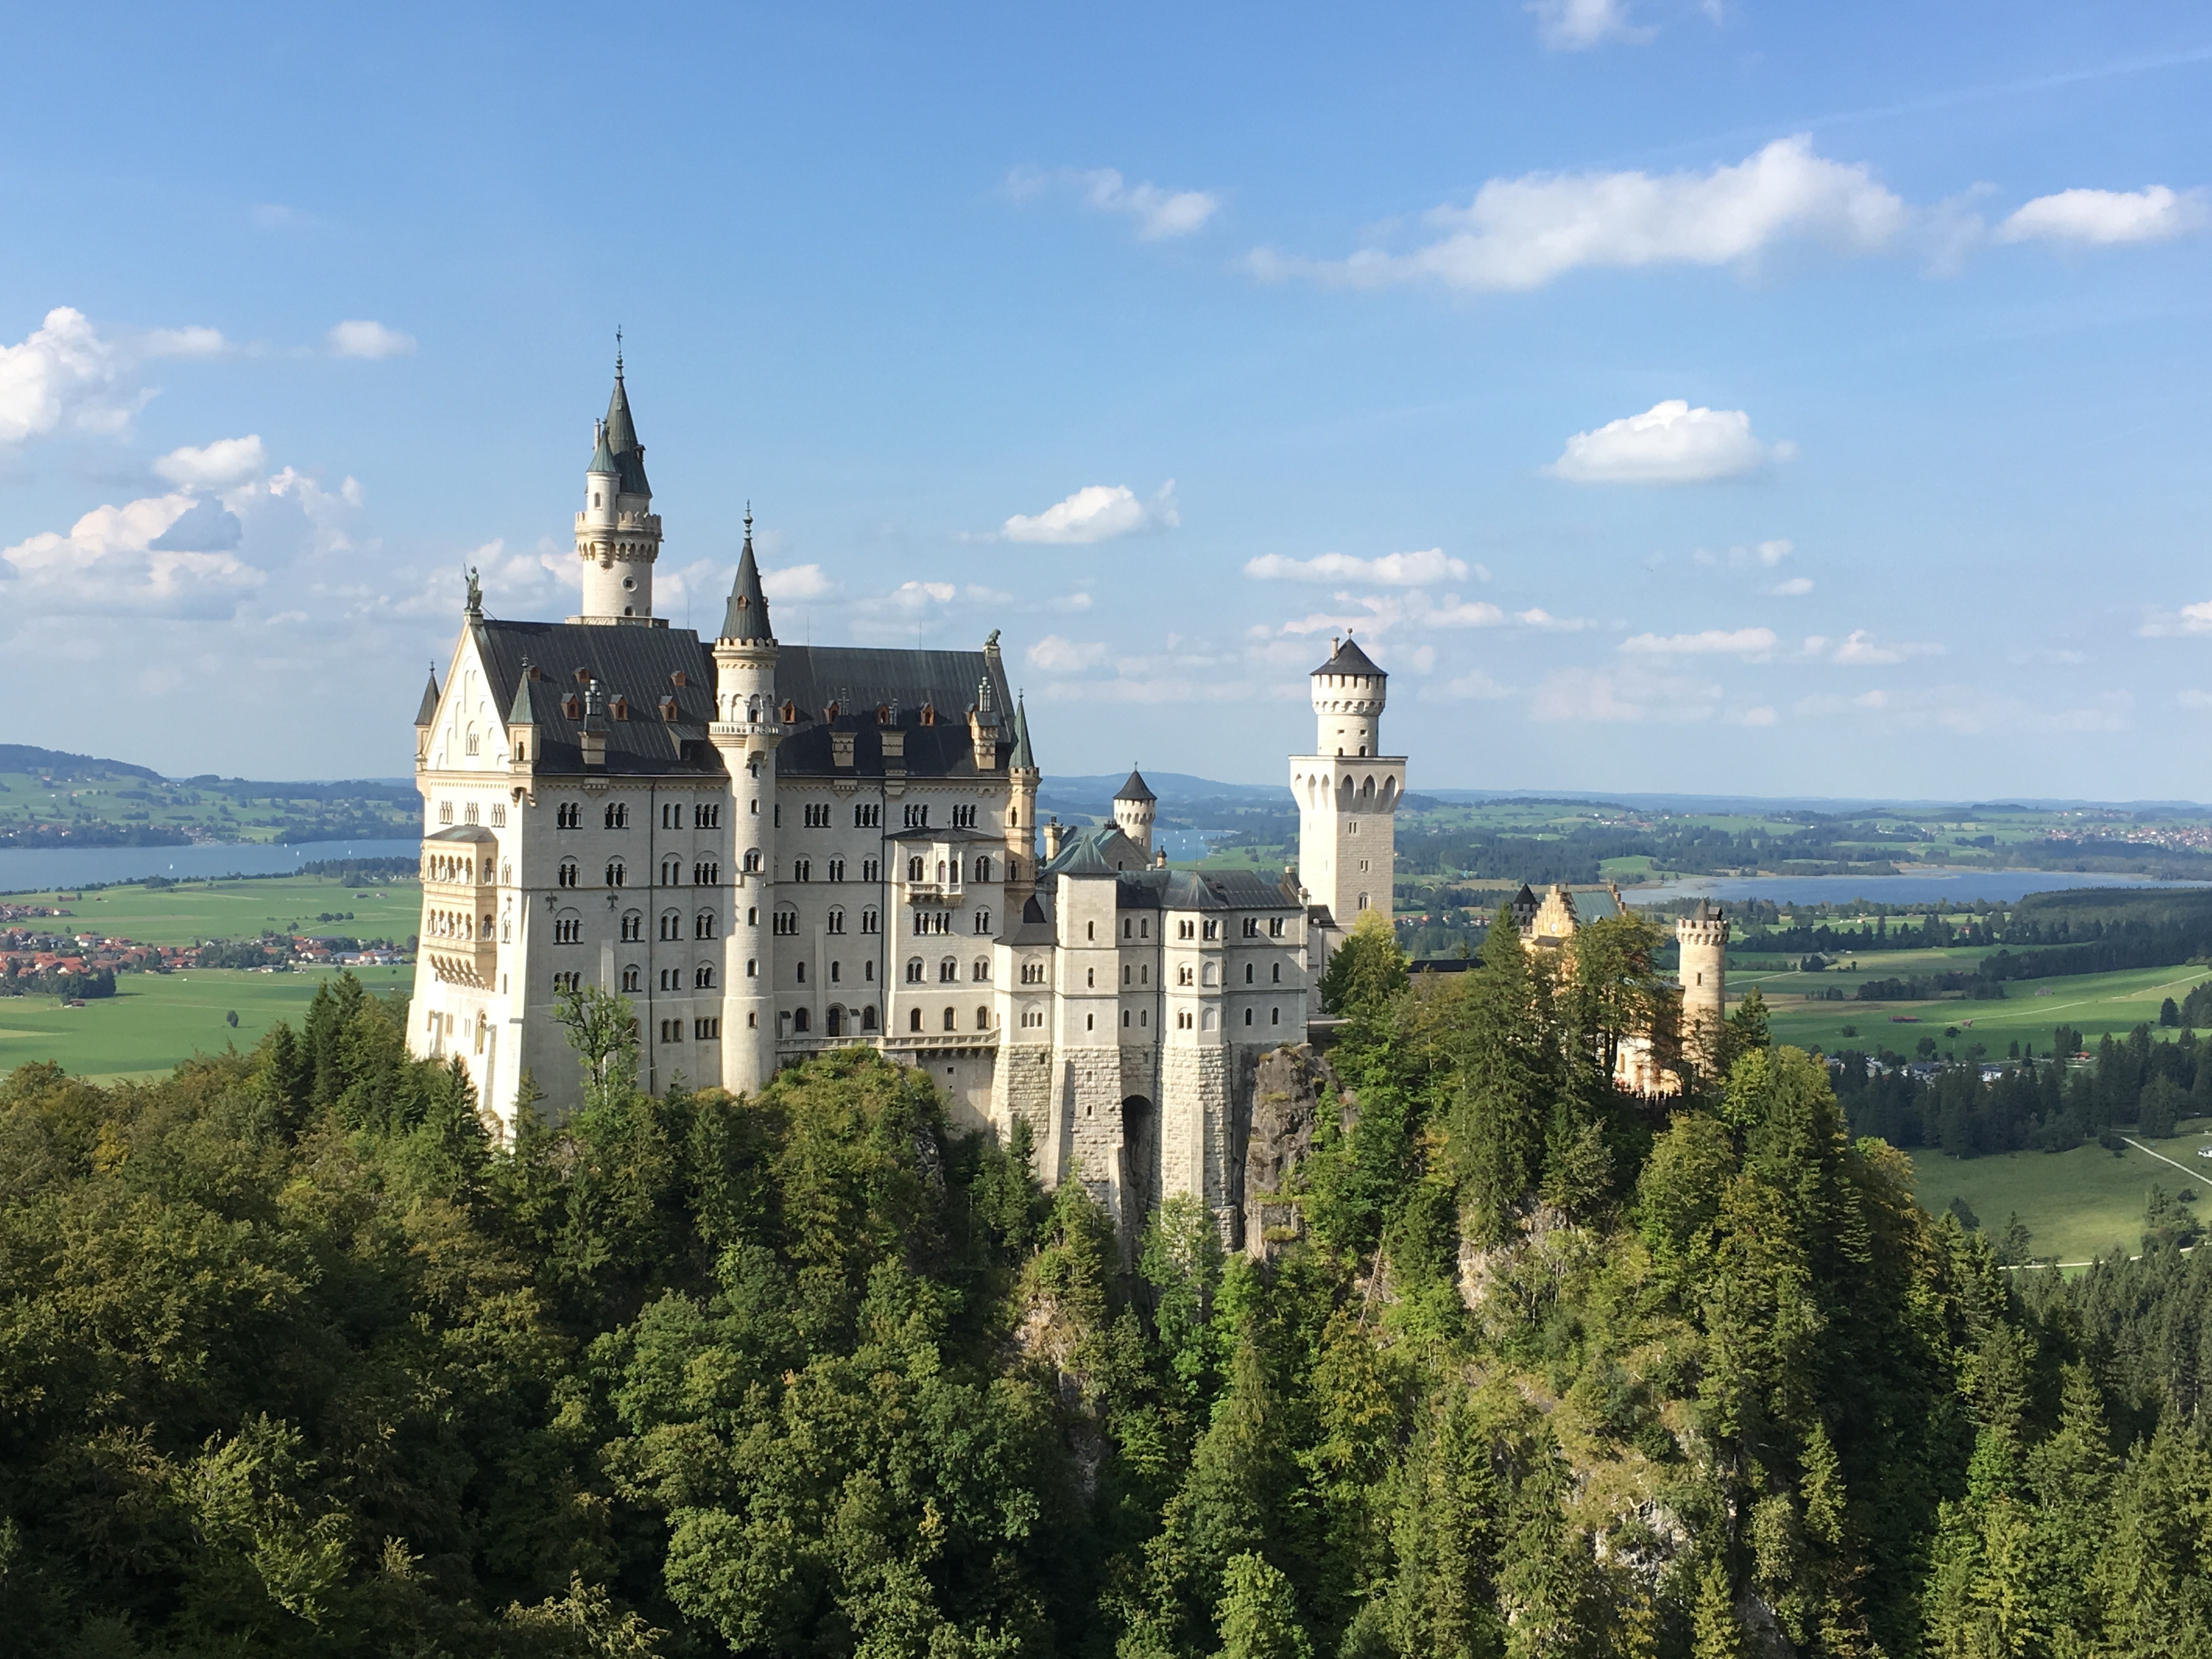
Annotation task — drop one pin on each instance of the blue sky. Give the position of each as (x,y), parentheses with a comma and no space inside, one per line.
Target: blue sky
(1723,396)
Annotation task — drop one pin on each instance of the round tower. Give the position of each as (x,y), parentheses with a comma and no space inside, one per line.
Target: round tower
(747,725)
(1348,695)
(1023,777)
(617,532)
(1347,792)
(1135,806)
(1704,975)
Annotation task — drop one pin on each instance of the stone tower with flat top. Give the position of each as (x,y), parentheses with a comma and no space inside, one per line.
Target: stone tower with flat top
(1703,941)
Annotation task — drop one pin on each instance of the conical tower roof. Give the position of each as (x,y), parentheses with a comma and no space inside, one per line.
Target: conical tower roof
(603,458)
(621,438)
(1349,659)
(1136,788)
(427,715)
(1023,759)
(524,711)
(746,615)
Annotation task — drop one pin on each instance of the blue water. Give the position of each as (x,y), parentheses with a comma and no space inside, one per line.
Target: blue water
(1999,886)
(32,871)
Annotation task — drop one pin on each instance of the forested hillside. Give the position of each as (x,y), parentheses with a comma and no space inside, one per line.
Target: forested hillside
(294,1361)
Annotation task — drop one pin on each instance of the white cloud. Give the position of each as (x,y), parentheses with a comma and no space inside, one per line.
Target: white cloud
(1578,25)
(1378,613)
(1760,715)
(1713,642)
(108,560)
(2189,619)
(1968,711)
(57,375)
(214,466)
(1796,587)
(1521,234)
(1097,512)
(797,581)
(1772,553)
(1420,569)
(1634,694)
(1669,443)
(182,343)
(360,338)
(1473,686)
(1159,213)
(1056,655)
(1859,650)
(2104,218)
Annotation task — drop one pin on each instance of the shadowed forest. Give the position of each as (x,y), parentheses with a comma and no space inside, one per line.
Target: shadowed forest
(293,1359)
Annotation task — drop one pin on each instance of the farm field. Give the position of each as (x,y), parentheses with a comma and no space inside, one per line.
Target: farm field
(155,1020)
(235,909)
(2092,1004)
(2076,1203)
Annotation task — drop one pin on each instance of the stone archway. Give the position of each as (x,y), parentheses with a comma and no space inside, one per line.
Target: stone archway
(1141,1162)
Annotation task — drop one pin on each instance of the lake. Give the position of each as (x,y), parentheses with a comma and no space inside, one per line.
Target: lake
(39,870)
(1918,887)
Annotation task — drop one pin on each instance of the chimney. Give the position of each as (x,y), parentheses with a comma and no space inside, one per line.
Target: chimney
(1052,834)
(1160,859)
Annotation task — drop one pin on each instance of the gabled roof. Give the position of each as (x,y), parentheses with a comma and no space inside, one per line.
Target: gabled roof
(639,665)
(1349,659)
(428,714)
(622,441)
(745,616)
(1102,849)
(1136,788)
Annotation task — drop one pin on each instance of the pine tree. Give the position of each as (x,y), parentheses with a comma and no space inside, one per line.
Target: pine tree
(1714,1631)
(2072,1473)
(1258,1617)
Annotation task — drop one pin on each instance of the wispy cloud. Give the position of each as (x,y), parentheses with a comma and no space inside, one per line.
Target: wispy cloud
(2105,218)
(1970,710)
(1632,695)
(1421,570)
(360,338)
(1160,213)
(1056,655)
(1097,512)
(1712,642)
(1578,25)
(2169,624)
(1670,443)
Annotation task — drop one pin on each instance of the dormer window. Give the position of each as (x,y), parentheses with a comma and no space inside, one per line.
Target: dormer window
(572,705)
(668,708)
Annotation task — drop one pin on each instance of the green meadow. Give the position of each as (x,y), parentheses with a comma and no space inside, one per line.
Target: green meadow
(2092,1004)
(234,909)
(2076,1203)
(155,1020)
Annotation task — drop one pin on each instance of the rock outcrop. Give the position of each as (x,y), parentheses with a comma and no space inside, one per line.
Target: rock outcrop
(1293,1087)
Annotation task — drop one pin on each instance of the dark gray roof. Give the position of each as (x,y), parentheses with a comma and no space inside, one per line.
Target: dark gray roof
(1034,926)
(638,664)
(622,440)
(469,832)
(1136,788)
(872,689)
(524,711)
(745,616)
(1024,757)
(1349,659)
(1102,849)
(950,837)
(1083,859)
(428,714)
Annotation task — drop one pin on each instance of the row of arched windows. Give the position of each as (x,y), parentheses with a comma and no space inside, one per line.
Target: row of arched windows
(948,970)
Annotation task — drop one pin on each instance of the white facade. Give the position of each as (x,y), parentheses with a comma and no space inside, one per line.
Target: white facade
(772,850)
(1348,790)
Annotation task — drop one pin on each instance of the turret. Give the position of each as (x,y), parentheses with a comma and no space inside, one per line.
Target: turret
(1348,791)
(426,718)
(617,532)
(522,722)
(1023,778)
(1704,975)
(1348,694)
(1134,808)
(747,725)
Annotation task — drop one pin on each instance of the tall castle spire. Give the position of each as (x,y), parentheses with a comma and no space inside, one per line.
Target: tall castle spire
(617,533)
(745,616)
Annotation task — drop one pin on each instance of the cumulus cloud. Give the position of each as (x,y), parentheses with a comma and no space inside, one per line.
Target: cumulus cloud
(1420,569)
(216,465)
(797,581)
(1712,642)
(1670,443)
(2105,218)
(1159,213)
(206,526)
(1796,588)
(1097,512)
(66,375)
(2169,624)
(1056,655)
(1520,233)
(1578,25)
(360,338)
(108,560)
(1634,694)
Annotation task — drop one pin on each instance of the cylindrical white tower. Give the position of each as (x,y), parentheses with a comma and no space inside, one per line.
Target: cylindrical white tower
(1704,975)
(747,725)
(1348,694)
(1134,808)
(1348,791)
(617,532)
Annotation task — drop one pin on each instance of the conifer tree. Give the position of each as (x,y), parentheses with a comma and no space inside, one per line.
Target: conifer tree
(1259,1614)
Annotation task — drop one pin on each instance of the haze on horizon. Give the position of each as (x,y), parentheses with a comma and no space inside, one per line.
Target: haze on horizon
(1706,399)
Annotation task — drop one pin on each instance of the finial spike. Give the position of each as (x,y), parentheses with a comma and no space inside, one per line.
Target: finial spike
(618,351)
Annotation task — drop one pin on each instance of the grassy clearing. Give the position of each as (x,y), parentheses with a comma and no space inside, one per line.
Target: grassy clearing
(2094,1003)
(154,1020)
(2077,1204)
(235,909)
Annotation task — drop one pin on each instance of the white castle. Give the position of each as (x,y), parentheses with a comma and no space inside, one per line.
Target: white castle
(772,850)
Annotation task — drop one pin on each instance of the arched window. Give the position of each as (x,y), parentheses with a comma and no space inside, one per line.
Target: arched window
(1278,976)
(833,1021)
(981,972)
(982,869)
(983,923)
(633,925)
(913,970)
(702,976)
(633,979)
(914,1019)
(752,860)
(951,1020)
(836,922)
(672,925)
(870,921)
(672,872)
(948,971)
(617,875)
(868,1017)
(914,869)
(568,877)
(801,1020)
(472,740)
(982,1019)
(704,925)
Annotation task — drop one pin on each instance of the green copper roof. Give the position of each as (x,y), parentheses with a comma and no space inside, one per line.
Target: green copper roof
(1022,759)
(524,711)
(746,615)
(427,715)
(602,459)
(622,442)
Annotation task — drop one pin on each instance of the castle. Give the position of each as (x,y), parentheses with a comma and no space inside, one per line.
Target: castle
(772,850)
